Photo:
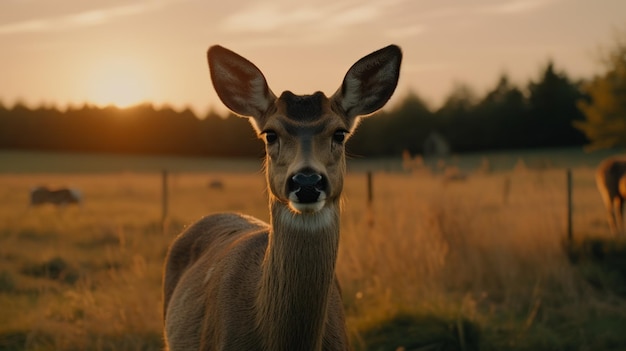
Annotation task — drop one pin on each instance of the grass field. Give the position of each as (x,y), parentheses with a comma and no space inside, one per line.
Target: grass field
(477,264)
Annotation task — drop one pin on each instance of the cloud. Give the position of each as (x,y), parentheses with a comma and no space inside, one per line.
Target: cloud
(95,17)
(515,6)
(269,17)
(353,16)
(274,17)
(278,23)
(24,27)
(80,19)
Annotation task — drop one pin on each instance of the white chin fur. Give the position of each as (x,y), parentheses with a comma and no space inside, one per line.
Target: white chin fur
(306,208)
(311,207)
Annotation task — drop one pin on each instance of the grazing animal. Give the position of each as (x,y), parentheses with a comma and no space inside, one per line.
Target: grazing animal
(232,282)
(216,184)
(60,197)
(611,182)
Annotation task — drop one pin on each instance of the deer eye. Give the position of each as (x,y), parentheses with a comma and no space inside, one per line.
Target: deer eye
(339,136)
(270,136)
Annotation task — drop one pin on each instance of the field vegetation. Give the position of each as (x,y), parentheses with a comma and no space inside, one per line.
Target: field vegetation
(473,264)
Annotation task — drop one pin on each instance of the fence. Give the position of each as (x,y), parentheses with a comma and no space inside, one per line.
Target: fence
(569,196)
(568,205)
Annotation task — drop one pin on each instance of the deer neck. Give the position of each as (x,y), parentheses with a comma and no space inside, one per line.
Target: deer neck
(297,277)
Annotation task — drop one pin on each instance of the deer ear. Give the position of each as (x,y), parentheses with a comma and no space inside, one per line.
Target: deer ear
(239,83)
(369,83)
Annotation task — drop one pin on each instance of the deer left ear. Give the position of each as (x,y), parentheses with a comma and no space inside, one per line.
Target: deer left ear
(239,84)
(369,83)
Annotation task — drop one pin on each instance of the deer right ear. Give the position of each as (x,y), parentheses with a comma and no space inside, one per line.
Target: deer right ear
(239,83)
(369,83)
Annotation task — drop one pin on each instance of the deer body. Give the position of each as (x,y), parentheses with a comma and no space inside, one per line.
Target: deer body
(233,282)
(611,182)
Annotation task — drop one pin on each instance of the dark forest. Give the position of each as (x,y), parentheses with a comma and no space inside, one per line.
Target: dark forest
(541,114)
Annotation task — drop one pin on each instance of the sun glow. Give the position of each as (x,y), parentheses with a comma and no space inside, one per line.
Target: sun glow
(120,82)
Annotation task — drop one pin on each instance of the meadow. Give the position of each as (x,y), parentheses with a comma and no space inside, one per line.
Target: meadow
(479,263)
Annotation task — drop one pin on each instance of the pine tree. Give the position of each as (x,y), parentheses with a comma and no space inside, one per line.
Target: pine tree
(605,109)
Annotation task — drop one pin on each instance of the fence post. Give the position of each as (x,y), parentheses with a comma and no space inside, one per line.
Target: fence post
(570,236)
(370,195)
(164,201)
(370,200)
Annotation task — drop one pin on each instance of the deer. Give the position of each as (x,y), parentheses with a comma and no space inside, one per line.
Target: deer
(611,182)
(234,282)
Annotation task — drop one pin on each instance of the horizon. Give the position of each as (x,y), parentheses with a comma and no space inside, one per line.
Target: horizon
(73,53)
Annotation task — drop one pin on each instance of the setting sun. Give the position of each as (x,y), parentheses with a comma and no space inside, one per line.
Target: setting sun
(120,82)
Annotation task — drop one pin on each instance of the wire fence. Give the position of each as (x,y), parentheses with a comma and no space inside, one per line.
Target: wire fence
(173,199)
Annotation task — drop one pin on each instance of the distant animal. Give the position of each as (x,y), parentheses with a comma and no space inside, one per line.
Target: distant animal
(233,282)
(59,197)
(611,182)
(216,184)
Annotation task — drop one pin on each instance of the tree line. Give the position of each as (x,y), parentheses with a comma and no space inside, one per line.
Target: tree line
(141,129)
(550,111)
(507,117)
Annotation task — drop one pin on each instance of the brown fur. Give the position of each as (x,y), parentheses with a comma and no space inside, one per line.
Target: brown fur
(233,282)
(611,182)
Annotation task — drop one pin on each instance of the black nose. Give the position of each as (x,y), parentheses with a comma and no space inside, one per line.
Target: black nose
(302,179)
(307,185)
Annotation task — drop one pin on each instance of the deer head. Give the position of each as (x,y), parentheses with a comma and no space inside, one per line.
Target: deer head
(305,135)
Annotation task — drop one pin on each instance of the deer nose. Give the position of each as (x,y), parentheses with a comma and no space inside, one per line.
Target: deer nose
(307,186)
(303,179)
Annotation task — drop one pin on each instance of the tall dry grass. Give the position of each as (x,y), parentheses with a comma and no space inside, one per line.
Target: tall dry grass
(487,249)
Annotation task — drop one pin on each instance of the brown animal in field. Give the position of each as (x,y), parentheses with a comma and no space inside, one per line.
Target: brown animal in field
(59,197)
(216,184)
(611,182)
(233,282)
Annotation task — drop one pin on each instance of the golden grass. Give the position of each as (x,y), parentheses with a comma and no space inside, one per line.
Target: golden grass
(488,249)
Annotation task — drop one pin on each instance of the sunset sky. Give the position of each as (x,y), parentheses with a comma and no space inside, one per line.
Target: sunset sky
(71,51)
